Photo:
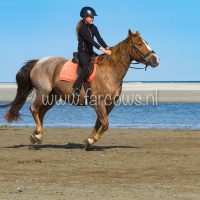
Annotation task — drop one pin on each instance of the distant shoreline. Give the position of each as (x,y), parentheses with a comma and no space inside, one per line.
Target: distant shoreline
(160,91)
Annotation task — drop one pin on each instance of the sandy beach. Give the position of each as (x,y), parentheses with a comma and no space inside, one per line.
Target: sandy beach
(126,164)
(157,92)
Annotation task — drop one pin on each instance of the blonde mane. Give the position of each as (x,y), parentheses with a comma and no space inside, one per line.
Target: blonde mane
(117,51)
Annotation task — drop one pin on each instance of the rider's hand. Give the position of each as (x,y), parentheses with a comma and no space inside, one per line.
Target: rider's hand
(106,51)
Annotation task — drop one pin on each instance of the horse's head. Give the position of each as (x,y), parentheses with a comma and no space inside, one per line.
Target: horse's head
(140,50)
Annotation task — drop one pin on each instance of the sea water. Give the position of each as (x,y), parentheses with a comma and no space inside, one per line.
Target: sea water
(160,116)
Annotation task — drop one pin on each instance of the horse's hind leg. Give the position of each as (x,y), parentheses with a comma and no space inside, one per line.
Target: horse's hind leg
(37,135)
(39,103)
(48,105)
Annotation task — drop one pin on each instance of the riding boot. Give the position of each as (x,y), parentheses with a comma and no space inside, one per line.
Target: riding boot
(77,88)
(79,82)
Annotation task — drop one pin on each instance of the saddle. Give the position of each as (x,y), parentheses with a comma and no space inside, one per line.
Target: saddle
(76,61)
(71,69)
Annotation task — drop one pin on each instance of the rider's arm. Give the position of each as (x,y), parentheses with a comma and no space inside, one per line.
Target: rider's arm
(84,33)
(99,38)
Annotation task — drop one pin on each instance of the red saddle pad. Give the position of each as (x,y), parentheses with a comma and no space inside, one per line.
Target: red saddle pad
(69,72)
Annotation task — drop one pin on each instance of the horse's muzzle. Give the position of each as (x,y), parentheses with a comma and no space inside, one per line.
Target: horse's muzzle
(154,61)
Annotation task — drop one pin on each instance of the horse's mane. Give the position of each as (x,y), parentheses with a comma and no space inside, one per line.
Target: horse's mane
(117,52)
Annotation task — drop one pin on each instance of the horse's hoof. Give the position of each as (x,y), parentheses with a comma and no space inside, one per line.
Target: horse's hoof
(32,140)
(88,146)
(38,139)
(35,139)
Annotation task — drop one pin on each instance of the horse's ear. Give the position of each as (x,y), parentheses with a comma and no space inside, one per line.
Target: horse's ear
(130,34)
(137,33)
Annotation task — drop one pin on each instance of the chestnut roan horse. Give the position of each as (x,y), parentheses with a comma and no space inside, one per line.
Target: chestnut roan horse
(43,76)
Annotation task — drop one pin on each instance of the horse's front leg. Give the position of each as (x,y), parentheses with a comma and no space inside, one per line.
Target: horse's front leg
(96,128)
(102,121)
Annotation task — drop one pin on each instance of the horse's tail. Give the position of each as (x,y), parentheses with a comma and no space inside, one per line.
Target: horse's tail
(25,87)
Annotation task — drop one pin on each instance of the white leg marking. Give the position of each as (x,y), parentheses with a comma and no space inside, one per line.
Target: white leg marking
(90,141)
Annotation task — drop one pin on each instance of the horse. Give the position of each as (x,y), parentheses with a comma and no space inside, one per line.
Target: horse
(42,75)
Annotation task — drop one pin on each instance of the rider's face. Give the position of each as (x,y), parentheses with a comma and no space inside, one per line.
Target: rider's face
(89,20)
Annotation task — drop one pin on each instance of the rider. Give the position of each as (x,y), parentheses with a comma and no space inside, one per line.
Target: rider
(86,31)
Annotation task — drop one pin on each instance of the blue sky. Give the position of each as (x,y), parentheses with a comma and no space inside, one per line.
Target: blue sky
(39,28)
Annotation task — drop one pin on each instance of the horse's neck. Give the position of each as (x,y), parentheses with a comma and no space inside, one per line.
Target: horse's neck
(121,67)
(115,72)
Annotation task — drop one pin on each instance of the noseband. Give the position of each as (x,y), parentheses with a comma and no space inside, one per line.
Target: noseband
(143,56)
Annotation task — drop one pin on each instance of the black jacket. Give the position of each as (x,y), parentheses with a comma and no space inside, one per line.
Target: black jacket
(86,38)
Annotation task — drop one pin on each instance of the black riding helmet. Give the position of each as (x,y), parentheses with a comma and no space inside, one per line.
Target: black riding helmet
(87,12)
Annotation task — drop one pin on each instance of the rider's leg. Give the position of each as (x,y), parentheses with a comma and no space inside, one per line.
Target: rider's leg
(84,60)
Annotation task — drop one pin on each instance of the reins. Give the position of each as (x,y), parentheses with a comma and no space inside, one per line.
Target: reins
(136,63)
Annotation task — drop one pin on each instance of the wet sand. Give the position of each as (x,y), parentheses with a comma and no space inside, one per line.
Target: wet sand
(126,164)
(147,92)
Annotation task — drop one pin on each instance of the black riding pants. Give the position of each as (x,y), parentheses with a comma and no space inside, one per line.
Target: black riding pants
(84,62)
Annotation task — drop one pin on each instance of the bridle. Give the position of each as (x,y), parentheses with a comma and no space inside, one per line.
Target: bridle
(143,56)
